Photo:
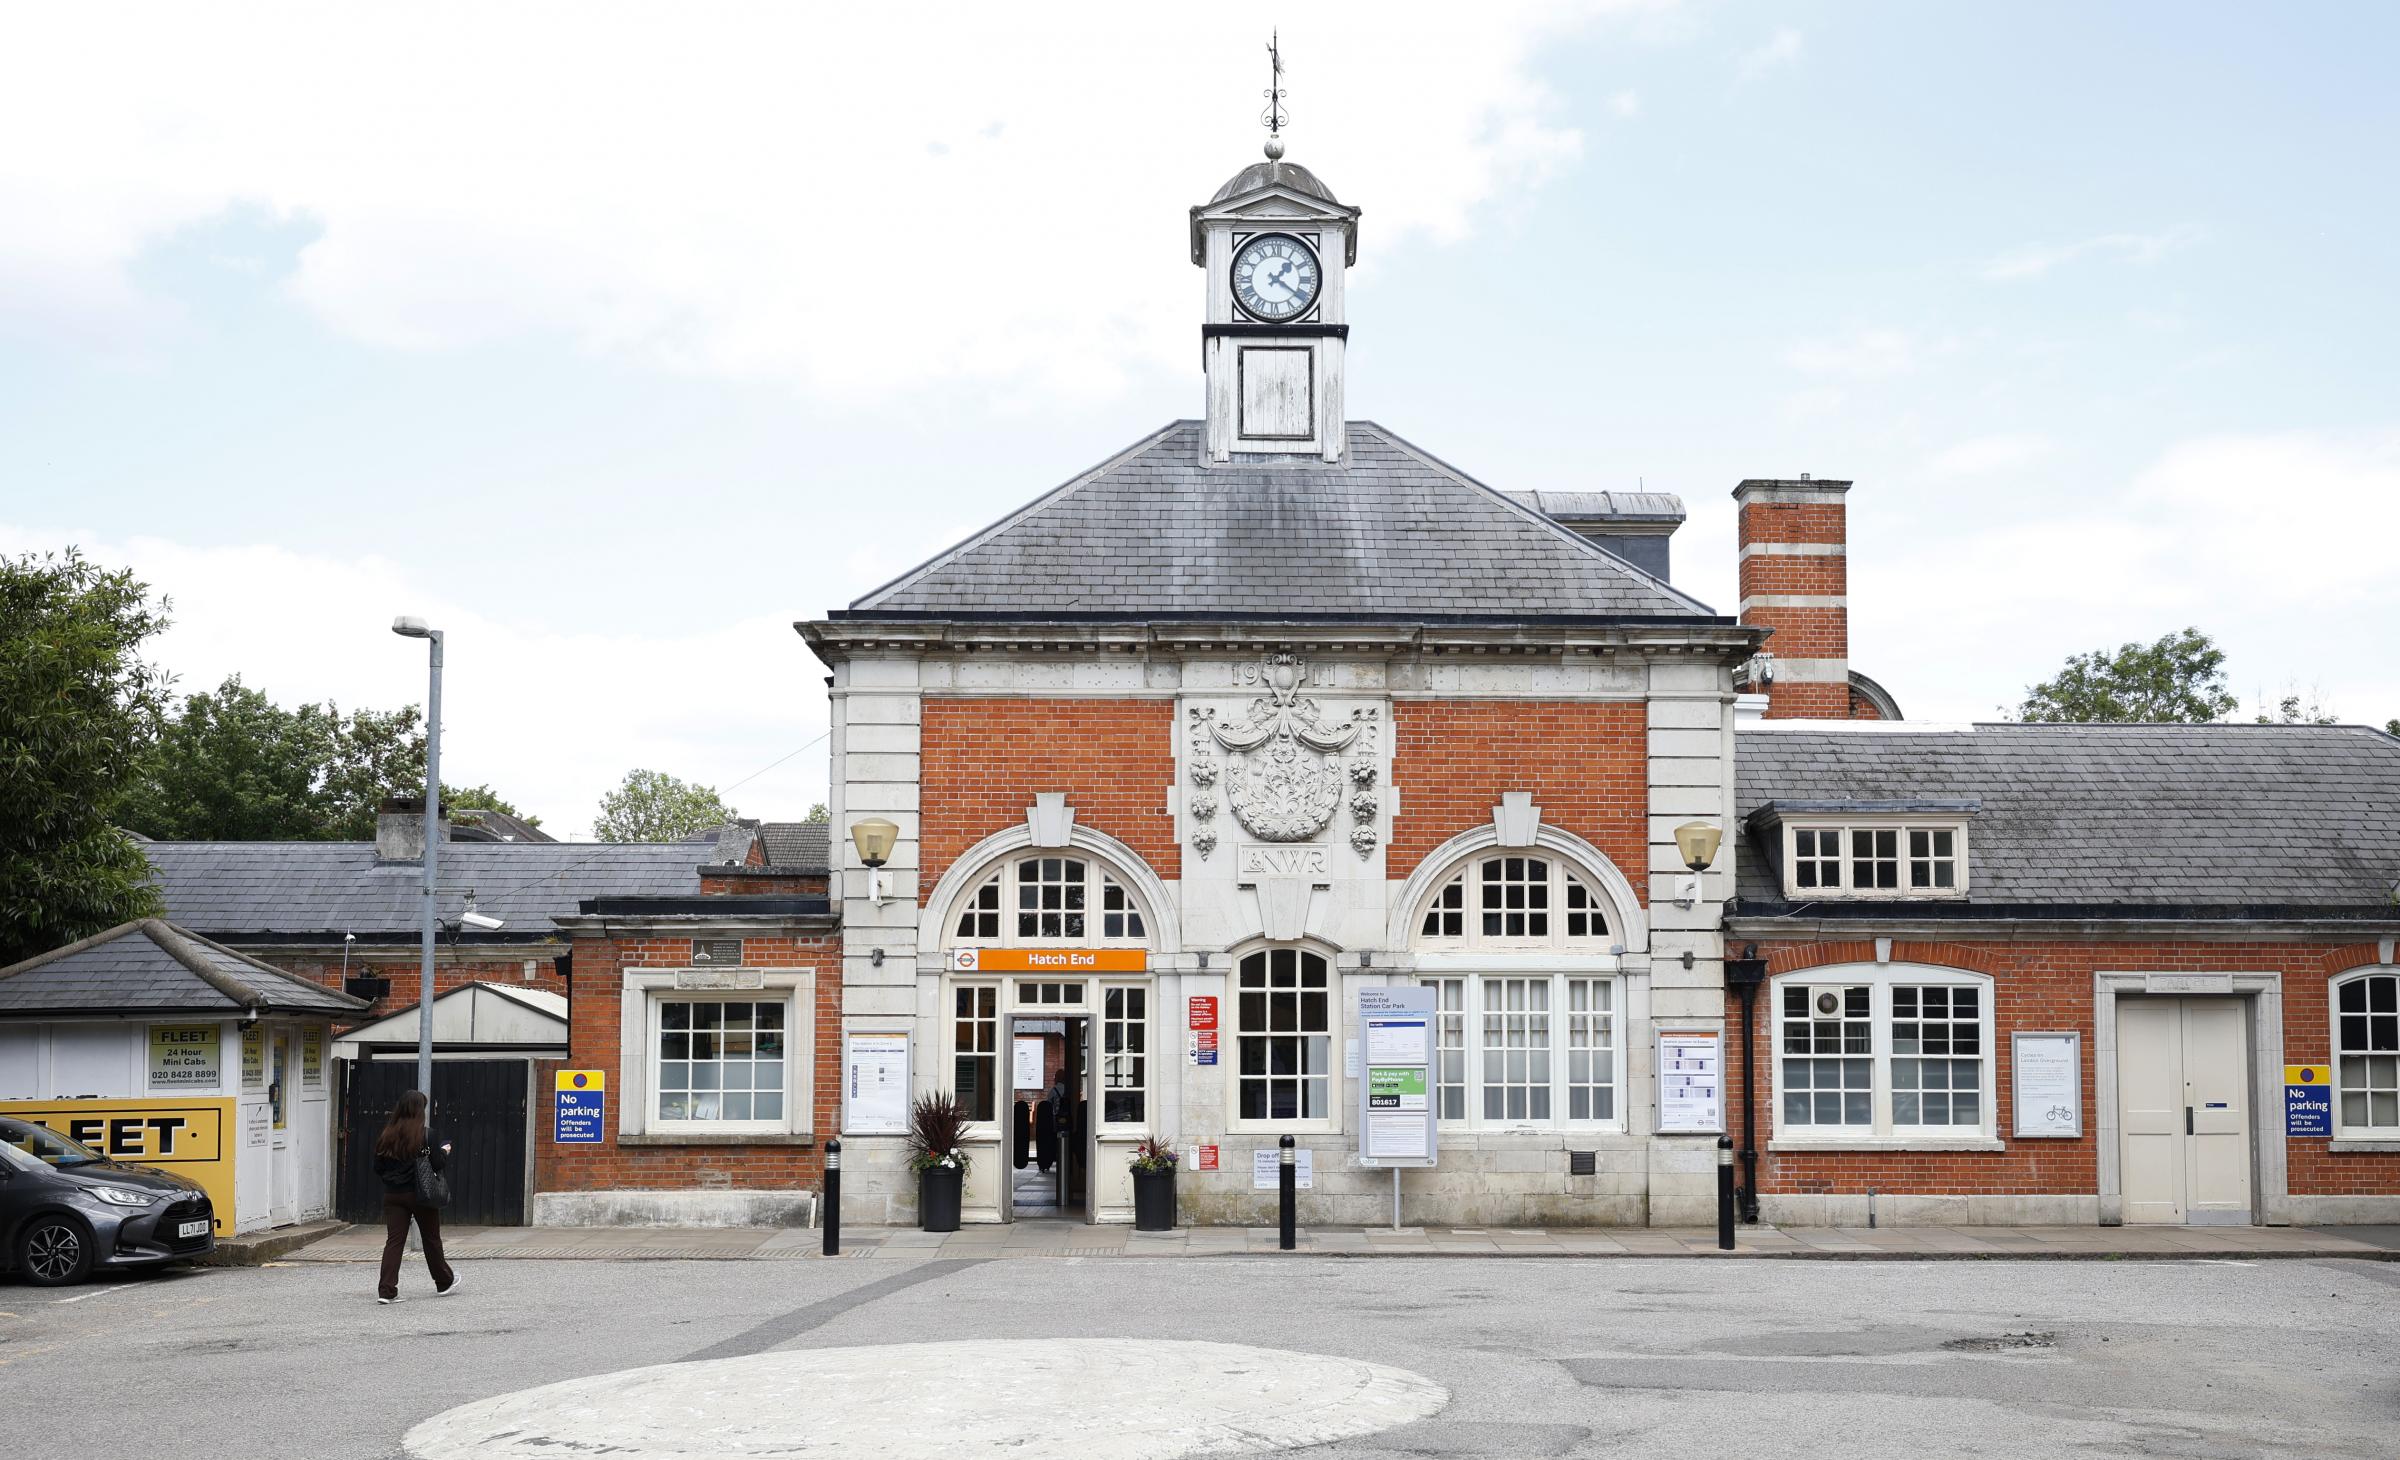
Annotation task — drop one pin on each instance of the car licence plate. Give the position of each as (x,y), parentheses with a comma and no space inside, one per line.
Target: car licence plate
(193,1229)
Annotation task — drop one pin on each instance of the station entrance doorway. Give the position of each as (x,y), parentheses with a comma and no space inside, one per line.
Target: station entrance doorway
(1052,1141)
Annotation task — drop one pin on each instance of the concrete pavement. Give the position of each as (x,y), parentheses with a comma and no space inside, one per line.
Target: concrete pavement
(1072,1239)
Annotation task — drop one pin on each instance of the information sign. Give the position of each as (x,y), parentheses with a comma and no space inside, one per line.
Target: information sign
(2307,1100)
(875,1079)
(1028,1068)
(184,1056)
(1691,1082)
(312,1057)
(2046,1082)
(1395,1104)
(1201,1016)
(579,1106)
(254,1058)
(1266,1161)
(1204,1158)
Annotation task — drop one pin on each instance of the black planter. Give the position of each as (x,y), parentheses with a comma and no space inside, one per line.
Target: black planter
(938,1192)
(1154,1201)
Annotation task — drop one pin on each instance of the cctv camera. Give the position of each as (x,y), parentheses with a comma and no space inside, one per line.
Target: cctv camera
(480,922)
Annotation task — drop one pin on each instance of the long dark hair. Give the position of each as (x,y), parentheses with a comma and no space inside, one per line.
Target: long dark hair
(404,1134)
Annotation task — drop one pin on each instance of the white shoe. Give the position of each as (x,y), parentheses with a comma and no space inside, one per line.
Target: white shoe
(455,1280)
(388,1300)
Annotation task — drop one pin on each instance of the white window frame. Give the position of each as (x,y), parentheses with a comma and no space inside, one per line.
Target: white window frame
(1468,876)
(1474,984)
(643,994)
(1849,826)
(1236,1030)
(2342,1129)
(1151,1072)
(1881,1133)
(1098,878)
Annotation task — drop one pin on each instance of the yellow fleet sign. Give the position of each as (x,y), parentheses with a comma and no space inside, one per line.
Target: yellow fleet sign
(186,1137)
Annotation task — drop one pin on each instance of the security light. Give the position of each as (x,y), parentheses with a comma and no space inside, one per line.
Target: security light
(874,837)
(480,922)
(409,626)
(1696,842)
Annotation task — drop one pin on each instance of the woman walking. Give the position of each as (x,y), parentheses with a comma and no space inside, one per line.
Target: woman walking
(396,1154)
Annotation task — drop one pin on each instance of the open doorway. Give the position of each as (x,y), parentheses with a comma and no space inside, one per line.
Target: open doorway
(1050,1118)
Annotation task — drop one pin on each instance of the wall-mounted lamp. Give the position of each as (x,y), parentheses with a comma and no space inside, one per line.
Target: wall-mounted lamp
(1696,842)
(874,838)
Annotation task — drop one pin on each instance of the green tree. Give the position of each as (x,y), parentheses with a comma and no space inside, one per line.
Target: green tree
(652,806)
(77,702)
(2178,680)
(232,765)
(816,813)
(2392,728)
(2291,711)
(482,798)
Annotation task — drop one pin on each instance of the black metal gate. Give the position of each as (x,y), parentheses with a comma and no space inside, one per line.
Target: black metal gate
(479,1107)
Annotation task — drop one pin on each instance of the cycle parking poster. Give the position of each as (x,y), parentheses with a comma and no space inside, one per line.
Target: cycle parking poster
(2046,1082)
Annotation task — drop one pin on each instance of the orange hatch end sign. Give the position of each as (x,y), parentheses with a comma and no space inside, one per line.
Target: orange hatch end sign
(1049,960)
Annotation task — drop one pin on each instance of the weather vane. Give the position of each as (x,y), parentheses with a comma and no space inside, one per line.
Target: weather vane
(1274,118)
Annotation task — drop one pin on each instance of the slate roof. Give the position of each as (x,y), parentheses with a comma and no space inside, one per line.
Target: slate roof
(152,966)
(232,890)
(803,846)
(1388,534)
(1274,174)
(2154,815)
(1645,507)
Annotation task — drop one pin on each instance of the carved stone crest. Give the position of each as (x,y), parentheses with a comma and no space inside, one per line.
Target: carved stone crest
(1283,777)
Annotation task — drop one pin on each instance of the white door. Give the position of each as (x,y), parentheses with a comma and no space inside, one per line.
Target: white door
(2183,1110)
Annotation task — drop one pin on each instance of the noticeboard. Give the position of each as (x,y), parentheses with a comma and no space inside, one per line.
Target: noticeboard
(1691,1082)
(2046,1083)
(875,1085)
(1395,1086)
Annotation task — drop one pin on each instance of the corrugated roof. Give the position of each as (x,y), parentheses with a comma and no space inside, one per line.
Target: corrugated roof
(2224,815)
(153,965)
(1390,533)
(231,889)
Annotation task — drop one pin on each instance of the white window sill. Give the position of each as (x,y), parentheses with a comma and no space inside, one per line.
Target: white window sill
(2365,1144)
(715,1138)
(1886,1143)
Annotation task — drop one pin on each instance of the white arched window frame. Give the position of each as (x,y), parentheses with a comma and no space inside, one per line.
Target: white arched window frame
(2365,1008)
(1523,949)
(1049,899)
(1891,1055)
(1284,1028)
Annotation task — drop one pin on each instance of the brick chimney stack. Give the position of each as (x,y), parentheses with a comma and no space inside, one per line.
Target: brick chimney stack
(1795,579)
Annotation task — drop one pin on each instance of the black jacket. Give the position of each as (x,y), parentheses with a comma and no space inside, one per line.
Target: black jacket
(399,1173)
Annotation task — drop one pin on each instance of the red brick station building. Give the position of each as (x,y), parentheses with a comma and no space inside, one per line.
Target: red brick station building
(1274,708)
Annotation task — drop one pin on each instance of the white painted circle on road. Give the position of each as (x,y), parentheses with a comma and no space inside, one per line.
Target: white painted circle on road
(1097,1399)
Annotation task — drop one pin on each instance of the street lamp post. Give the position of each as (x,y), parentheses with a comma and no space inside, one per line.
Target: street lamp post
(415,628)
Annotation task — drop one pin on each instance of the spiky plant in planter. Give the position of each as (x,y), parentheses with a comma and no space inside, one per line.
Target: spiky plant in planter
(1153,1165)
(937,1130)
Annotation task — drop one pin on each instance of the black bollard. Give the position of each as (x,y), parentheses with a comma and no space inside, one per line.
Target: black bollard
(1724,1193)
(833,1198)
(1289,1197)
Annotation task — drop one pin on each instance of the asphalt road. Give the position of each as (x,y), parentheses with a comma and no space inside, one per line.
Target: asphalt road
(1685,1358)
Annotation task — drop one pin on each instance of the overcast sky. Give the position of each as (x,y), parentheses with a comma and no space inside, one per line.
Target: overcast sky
(613,340)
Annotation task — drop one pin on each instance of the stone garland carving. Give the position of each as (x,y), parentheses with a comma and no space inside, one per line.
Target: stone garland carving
(1283,778)
(1203,801)
(1363,803)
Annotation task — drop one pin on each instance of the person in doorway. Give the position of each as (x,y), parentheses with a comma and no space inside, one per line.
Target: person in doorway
(404,1139)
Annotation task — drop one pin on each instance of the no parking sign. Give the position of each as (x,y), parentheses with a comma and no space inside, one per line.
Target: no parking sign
(580,1107)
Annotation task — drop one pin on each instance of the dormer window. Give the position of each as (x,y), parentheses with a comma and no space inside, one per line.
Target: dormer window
(1879,858)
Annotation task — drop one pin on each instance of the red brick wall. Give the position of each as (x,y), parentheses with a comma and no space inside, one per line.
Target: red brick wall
(1799,632)
(984,760)
(762,884)
(1587,764)
(596,1028)
(403,974)
(2048,985)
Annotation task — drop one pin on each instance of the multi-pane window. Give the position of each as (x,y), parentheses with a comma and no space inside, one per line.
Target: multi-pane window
(1124,1053)
(1515,899)
(1591,1049)
(1286,1038)
(1030,991)
(1937,1055)
(720,1060)
(2367,1050)
(1817,856)
(1516,1049)
(1450,1048)
(975,1049)
(1892,1051)
(1876,860)
(1828,1056)
(1050,900)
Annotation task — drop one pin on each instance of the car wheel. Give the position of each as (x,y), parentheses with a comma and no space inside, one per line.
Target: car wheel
(54,1250)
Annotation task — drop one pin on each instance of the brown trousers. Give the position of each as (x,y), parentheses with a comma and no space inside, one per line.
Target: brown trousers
(398,1208)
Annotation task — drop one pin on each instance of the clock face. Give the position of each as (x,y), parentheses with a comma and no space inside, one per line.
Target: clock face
(1275,277)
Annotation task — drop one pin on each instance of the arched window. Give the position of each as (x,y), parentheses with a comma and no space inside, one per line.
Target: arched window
(2366,1046)
(1283,1033)
(1516,899)
(1524,1039)
(1049,900)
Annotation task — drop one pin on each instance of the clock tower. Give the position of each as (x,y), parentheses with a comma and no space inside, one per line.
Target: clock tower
(1275,245)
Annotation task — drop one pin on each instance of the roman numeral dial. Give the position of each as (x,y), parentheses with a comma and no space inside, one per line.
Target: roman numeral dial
(1275,277)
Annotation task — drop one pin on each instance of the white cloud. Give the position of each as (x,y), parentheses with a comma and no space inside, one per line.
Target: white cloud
(2141,249)
(550,718)
(852,201)
(1871,354)
(1986,455)
(1626,103)
(1783,49)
